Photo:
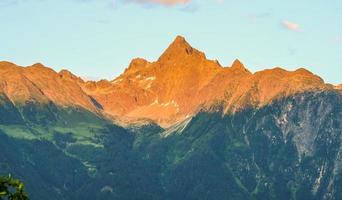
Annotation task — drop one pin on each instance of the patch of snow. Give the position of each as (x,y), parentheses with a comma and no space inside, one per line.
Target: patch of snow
(165,104)
(155,102)
(151,78)
(147,82)
(148,86)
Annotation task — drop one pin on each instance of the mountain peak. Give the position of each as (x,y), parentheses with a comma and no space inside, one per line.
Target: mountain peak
(136,65)
(179,44)
(7,65)
(303,71)
(38,65)
(179,39)
(3,63)
(180,49)
(66,74)
(238,66)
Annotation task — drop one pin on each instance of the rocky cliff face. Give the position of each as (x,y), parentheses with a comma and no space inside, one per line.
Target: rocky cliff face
(38,95)
(339,87)
(40,84)
(183,80)
(176,86)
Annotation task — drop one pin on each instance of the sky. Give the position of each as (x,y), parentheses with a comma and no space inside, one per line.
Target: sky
(98,38)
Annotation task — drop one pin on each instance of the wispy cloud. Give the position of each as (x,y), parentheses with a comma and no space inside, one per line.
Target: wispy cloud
(291,26)
(158,2)
(9,2)
(336,40)
(253,17)
(185,5)
(190,8)
(161,2)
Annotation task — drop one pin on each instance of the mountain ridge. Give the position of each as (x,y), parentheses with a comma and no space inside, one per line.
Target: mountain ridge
(180,127)
(167,91)
(38,83)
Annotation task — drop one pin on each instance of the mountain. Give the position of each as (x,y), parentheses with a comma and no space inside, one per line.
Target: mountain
(173,88)
(181,127)
(36,102)
(40,84)
(183,81)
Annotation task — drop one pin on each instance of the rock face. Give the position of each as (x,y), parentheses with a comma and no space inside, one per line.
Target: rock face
(183,80)
(38,83)
(176,86)
(339,87)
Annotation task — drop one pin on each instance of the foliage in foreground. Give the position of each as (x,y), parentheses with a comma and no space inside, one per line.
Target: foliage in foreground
(11,189)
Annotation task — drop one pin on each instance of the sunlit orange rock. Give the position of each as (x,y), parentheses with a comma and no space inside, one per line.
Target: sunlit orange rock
(38,83)
(183,80)
(176,86)
(339,87)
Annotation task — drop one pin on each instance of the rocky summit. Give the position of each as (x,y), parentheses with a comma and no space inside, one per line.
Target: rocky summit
(181,127)
(183,81)
(173,88)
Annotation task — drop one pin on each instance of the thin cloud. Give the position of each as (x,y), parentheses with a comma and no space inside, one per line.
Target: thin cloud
(161,2)
(337,39)
(4,3)
(253,17)
(190,8)
(156,2)
(291,26)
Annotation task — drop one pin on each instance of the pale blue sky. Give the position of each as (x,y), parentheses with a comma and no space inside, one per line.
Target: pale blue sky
(98,38)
